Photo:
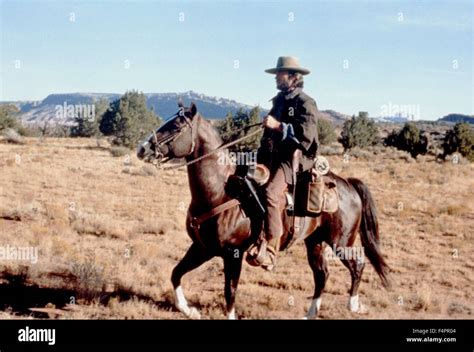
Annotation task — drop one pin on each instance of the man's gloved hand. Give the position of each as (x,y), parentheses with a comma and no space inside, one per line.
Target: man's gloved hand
(272,123)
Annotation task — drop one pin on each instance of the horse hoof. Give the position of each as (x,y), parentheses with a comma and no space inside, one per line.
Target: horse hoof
(362,309)
(355,306)
(310,317)
(231,315)
(194,314)
(359,309)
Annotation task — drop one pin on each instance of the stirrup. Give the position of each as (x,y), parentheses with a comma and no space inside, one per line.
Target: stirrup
(261,254)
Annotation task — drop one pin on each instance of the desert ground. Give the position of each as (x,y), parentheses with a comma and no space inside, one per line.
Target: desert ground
(109,229)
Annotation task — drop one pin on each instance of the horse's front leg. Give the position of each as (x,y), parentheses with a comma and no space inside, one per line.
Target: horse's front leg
(232,268)
(194,257)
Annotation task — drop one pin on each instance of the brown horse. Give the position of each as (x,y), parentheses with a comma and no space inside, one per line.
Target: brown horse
(230,233)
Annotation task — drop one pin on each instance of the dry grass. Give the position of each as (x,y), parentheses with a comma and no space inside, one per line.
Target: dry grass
(119,151)
(110,229)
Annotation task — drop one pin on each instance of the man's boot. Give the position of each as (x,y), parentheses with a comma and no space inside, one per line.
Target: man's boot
(264,254)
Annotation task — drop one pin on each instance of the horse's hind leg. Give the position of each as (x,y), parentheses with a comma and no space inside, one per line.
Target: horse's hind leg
(356,267)
(232,269)
(317,262)
(194,257)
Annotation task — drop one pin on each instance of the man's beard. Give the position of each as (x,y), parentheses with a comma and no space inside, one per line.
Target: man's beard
(283,86)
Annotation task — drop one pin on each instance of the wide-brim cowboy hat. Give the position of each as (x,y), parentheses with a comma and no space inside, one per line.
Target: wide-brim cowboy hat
(290,64)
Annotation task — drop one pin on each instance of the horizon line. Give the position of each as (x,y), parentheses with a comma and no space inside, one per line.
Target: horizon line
(230,99)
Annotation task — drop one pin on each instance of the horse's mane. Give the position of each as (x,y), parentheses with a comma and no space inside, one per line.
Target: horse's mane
(213,137)
(212,129)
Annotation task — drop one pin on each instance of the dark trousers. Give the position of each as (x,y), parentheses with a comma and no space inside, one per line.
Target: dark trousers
(275,198)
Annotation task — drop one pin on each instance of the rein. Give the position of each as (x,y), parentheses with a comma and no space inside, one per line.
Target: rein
(195,222)
(223,146)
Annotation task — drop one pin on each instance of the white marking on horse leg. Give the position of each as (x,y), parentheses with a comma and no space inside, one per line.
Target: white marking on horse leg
(231,315)
(182,305)
(355,305)
(181,302)
(314,308)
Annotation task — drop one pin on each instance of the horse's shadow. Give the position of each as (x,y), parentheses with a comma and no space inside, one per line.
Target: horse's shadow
(19,297)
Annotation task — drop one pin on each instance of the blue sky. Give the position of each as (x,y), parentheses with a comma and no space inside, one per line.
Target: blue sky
(408,53)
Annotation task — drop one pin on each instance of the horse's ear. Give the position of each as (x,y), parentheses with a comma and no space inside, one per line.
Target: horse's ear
(193,109)
(180,103)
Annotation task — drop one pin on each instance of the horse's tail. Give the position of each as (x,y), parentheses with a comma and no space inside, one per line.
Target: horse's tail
(369,229)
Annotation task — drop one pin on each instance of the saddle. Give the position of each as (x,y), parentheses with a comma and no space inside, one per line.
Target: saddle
(247,191)
(315,191)
(314,195)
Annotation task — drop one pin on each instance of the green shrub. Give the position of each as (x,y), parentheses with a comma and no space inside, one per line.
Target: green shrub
(409,139)
(128,120)
(326,134)
(359,131)
(231,129)
(459,139)
(8,117)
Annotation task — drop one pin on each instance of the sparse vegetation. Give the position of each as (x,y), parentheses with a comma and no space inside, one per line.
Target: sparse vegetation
(8,117)
(12,136)
(409,139)
(88,278)
(96,226)
(333,149)
(326,134)
(233,127)
(460,139)
(128,120)
(359,131)
(119,151)
(89,126)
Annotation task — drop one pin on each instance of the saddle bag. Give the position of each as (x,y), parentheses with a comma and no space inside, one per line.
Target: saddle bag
(322,196)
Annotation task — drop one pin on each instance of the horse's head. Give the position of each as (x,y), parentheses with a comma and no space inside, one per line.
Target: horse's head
(173,139)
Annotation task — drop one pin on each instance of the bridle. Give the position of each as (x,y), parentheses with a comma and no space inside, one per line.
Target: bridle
(158,156)
(167,140)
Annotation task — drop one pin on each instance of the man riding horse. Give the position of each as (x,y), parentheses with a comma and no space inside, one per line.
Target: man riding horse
(218,224)
(290,127)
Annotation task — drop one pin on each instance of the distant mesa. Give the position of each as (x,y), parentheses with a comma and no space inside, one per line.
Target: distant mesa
(455,118)
(165,105)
